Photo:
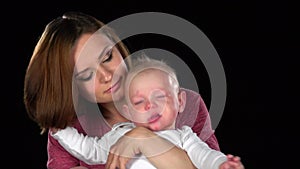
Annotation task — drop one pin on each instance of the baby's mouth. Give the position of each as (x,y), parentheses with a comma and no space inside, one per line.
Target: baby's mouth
(154,118)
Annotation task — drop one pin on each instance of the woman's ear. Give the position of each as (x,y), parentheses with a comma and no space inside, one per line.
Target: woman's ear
(181,100)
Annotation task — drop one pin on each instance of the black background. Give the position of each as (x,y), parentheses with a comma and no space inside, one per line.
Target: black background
(258,44)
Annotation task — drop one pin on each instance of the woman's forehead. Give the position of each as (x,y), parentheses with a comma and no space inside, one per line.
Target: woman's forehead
(90,43)
(90,48)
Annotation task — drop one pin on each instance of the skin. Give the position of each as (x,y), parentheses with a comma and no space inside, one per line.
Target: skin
(96,84)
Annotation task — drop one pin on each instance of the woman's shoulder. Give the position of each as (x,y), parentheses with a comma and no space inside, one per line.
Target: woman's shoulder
(191,95)
(191,110)
(190,92)
(78,126)
(92,125)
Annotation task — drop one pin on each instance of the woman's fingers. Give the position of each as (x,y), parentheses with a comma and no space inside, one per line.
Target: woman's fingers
(115,161)
(137,141)
(123,161)
(111,162)
(108,161)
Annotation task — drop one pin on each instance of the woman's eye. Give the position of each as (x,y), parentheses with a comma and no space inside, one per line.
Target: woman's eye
(108,56)
(86,77)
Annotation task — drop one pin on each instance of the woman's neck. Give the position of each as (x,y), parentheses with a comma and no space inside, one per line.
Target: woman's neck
(111,114)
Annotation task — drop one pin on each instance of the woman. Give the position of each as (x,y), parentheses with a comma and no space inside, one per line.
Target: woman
(61,87)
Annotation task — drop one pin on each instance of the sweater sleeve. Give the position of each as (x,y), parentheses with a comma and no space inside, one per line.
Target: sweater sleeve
(199,152)
(58,157)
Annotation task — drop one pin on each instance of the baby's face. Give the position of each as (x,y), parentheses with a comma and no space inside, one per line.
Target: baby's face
(154,100)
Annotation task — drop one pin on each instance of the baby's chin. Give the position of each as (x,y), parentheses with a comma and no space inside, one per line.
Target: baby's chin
(155,127)
(148,126)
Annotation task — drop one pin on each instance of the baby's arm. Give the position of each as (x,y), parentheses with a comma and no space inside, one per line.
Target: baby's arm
(92,150)
(199,152)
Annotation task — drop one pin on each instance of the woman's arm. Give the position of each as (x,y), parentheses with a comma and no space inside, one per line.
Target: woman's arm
(174,158)
(58,157)
(202,127)
(159,151)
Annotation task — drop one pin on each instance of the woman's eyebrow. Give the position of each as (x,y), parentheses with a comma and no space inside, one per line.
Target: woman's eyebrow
(103,52)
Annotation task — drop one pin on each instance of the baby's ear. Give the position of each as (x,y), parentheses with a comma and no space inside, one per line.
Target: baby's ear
(126,112)
(181,100)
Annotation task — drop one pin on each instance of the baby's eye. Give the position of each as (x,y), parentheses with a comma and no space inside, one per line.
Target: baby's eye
(160,96)
(138,102)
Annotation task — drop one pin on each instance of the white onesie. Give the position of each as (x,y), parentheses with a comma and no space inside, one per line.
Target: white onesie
(94,150)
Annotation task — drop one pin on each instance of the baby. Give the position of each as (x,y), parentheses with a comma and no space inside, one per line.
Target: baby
(153,101)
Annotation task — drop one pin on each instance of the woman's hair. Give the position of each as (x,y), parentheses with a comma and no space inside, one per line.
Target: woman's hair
(48,80)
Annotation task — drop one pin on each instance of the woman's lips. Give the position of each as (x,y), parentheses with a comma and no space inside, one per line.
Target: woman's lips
(114,87)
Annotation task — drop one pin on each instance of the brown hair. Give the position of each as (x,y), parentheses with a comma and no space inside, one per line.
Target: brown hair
(48,80)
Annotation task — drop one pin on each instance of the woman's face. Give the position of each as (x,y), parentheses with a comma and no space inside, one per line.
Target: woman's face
(99,68)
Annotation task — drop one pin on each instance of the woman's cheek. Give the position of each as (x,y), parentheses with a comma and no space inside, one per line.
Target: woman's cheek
(88,91)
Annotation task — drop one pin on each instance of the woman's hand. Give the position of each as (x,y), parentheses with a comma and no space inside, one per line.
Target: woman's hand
(127,147)
(160,152)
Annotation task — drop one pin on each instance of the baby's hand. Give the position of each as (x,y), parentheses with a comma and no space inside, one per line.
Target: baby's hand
(54,130)
(233,162)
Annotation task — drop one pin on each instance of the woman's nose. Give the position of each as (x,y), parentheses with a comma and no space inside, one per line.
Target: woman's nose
(104,75)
